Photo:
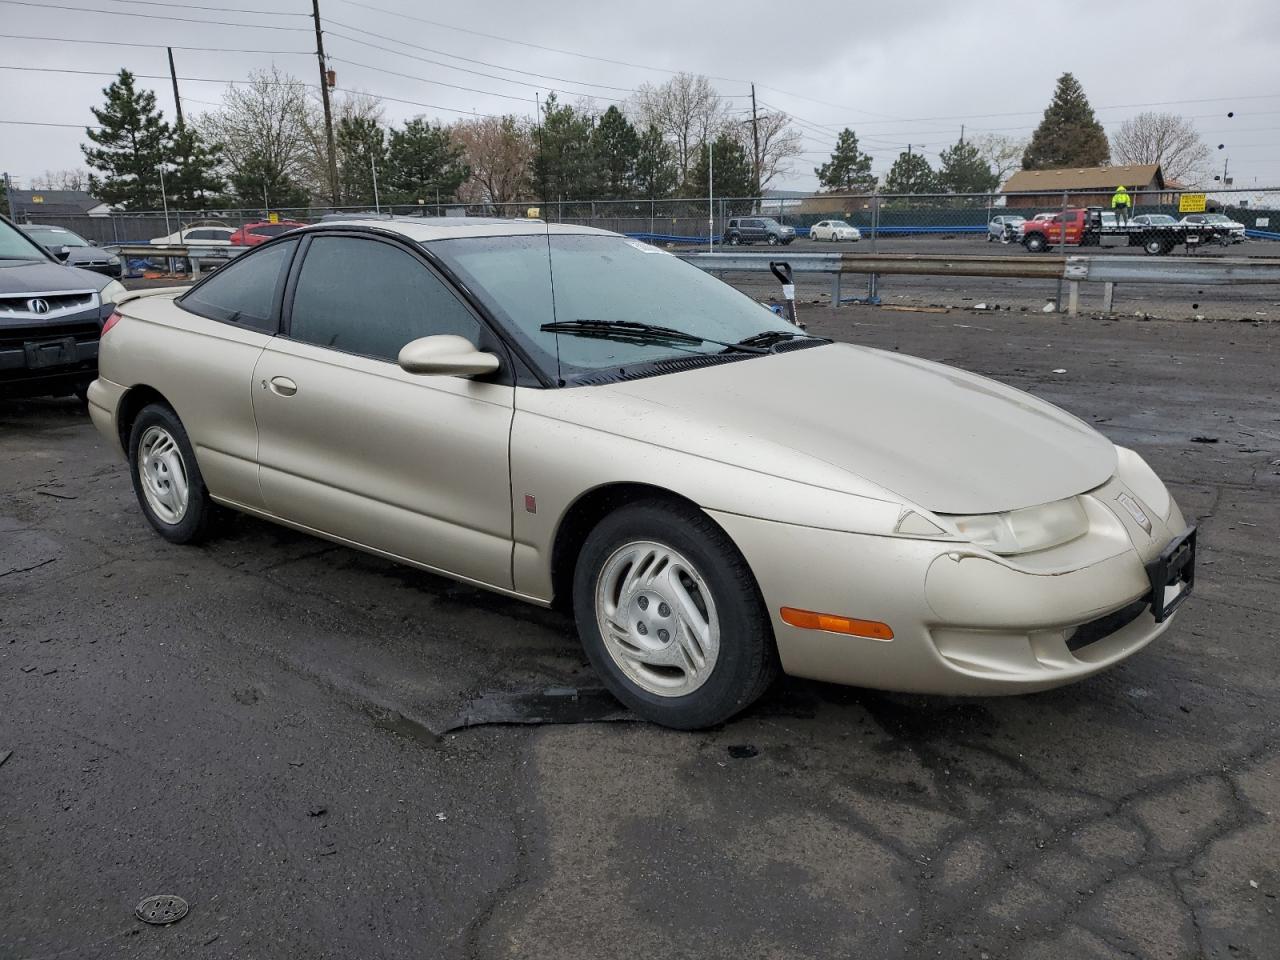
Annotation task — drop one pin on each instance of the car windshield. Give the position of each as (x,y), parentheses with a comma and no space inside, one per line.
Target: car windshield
(839,225)
(14,245)
(55,237)
(533,280)
(1160,218)
(770,222)
(1216,218)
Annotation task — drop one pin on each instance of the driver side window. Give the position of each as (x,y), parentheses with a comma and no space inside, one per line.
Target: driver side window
(367,297)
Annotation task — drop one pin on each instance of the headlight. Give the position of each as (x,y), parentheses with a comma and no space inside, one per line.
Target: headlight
(1142,480)
(113,260)
(112,292)
(1022,531)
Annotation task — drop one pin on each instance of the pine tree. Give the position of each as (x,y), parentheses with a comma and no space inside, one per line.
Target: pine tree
(195,182)
(911,173)
(729,168)
(424,160)
(849,168)
(564,165)
(259,180)
(655,175)
(132,143)
(361,148)
(617,149)
(1069,135)
(963,170)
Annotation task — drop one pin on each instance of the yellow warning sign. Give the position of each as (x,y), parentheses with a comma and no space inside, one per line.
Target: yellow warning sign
(273,218)
(1191,203)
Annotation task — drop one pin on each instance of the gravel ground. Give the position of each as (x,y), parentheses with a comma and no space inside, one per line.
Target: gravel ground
(265,725)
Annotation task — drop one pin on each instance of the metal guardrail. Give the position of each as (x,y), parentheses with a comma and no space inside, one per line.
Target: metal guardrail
(197,254)
(1107,270)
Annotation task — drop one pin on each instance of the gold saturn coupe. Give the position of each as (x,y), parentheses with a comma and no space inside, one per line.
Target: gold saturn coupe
(577,419)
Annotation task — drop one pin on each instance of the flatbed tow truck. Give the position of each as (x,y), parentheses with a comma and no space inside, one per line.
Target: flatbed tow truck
(1092,227)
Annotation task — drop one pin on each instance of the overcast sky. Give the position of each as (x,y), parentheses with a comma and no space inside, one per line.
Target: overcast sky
(910,71)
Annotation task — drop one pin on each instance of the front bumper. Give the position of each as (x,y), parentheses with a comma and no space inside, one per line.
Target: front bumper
(48,359)
(965,622)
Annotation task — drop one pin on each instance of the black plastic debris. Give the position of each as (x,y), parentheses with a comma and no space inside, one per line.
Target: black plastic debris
(161,910)
(743,751)
(5,755)
(553,705)
(1204,439)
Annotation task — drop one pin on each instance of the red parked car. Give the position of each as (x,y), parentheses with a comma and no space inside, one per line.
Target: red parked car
(252,234)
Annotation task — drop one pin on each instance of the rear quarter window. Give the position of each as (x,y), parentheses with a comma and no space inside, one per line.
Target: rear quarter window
(245,292)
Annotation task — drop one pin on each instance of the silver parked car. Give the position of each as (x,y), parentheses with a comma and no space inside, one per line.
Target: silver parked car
(1235,229)
(1005,228)
(645,446)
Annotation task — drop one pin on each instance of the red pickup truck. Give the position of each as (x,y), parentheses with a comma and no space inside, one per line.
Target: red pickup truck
(1089,227)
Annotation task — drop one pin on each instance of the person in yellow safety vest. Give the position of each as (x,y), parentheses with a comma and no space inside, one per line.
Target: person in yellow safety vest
(1120,204)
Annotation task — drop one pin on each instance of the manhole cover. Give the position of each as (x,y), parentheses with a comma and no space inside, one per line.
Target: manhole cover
(161,910)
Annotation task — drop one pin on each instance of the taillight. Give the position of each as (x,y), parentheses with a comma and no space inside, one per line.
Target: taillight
(111,322)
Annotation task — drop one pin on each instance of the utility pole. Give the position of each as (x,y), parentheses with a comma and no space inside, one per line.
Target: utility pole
(177,99)
(324,97)
(755,138)
(962,134)
(8,195)
(711,190)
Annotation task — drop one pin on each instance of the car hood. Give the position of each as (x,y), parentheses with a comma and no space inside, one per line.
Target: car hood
(41,276)
(944,439)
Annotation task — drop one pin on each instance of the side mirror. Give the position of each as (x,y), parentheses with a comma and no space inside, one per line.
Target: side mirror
(93,243)
(445,355)
(62,253)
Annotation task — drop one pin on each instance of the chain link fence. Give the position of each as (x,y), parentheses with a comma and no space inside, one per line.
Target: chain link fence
(699,221)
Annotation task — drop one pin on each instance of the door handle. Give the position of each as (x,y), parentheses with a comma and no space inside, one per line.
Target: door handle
(282,386)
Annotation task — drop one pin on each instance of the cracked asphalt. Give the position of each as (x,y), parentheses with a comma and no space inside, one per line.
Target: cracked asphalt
(258,725)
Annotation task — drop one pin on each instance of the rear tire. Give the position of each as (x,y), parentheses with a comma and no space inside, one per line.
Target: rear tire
(671,617)
(166,477)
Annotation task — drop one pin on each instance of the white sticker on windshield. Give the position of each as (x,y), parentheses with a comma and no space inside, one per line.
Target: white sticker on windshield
(646,248)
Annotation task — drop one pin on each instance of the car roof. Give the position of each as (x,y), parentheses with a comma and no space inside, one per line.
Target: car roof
(422,229)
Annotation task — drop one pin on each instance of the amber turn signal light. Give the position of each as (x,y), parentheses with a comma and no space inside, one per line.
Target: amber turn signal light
(808,620)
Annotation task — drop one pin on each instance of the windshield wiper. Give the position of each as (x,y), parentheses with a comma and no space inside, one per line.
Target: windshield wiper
(771,338)
(640,333)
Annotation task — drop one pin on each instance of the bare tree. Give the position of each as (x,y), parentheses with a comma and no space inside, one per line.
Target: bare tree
(499,151)
(262,124)
(1163,138)
(1002,154)
(688,111)
(77,179)
(780,140)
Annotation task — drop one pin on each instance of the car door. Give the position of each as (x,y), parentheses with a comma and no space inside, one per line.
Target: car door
(211,356)
(817,232)
(353,446)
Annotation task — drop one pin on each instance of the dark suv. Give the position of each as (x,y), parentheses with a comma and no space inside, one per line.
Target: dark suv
(757,230)
(50,319)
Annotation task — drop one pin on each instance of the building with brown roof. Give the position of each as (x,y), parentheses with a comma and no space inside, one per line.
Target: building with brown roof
(1088,186)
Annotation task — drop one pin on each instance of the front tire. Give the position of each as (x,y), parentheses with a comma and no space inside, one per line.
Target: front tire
(1035,243)
(671,617)
(166,477)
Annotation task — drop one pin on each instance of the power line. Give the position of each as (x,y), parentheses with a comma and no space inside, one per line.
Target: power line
(483,63)
(411,56)
(196,6)
(117,13)
(155,46)
(526,43)
(409,76)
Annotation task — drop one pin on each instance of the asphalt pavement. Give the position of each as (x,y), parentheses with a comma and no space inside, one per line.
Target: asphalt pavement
(291,735)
